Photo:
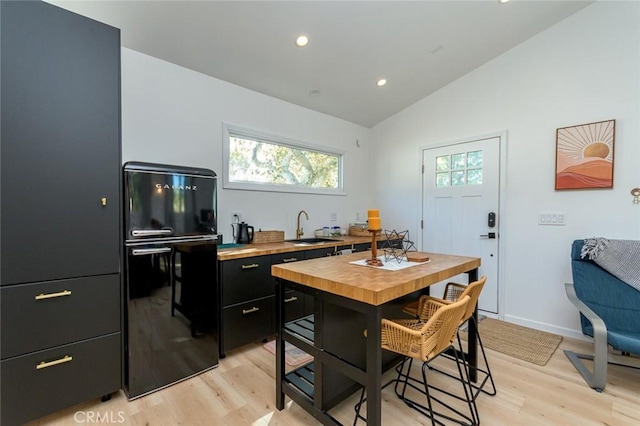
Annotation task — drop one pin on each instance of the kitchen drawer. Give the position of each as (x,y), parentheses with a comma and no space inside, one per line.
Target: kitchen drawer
(287,257)
(395,243)
(295,301)
(248,322)
(52,313)
(320,252)
(246,279)
(28,392)
(294,305)
(361,247)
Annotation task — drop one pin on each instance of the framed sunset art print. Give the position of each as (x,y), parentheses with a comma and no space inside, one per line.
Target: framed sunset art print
(584,156)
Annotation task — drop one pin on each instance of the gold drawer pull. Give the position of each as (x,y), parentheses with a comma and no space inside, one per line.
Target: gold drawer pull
(43,364)
(43,296)
(291,299)
(290,259)
(251,266)
(248,311)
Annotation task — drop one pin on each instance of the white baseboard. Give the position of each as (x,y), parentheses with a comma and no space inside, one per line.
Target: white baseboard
(549,328)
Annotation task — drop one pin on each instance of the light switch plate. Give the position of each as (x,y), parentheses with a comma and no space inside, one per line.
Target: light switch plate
(552,218)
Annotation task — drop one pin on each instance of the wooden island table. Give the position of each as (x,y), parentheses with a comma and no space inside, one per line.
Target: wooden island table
(348,299)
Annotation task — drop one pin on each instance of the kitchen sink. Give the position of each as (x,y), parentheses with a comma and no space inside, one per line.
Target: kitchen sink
(312,240)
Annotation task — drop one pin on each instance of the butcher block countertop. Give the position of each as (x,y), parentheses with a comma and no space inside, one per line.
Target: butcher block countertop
(250,250)
(368,284)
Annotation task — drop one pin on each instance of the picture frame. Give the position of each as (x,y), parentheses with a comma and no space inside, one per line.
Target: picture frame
(584,156)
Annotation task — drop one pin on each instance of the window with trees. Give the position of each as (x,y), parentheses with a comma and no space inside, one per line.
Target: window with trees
(259,161)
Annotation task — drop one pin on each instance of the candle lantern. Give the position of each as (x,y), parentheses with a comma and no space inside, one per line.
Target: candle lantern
(374,229)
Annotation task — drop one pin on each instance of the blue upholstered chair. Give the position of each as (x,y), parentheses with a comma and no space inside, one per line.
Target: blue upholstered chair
(609,312)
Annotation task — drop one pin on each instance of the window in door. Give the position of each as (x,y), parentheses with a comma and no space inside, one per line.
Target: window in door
(459,169)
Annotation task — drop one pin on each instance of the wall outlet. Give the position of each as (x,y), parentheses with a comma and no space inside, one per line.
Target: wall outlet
(236,217)
(334,217)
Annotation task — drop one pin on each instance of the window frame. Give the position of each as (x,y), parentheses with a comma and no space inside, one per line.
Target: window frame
(450,170)
(229,130)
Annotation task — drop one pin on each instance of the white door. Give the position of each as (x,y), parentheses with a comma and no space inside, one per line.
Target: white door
(461,188)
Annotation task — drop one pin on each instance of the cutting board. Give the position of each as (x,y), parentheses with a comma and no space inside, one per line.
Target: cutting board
(417,256)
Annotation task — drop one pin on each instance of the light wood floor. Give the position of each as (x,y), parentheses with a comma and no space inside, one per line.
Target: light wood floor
(241,391)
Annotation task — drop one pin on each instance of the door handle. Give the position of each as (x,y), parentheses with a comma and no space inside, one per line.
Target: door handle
(145,252)
(43,296)
(151,232)
(62,360)
(490,236)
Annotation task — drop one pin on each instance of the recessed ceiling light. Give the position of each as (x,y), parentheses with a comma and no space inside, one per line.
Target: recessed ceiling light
(381,82)
(302,41)
(503,1)
(314,93)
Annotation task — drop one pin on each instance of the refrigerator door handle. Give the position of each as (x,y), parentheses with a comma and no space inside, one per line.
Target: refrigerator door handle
(151,232)
(148,251)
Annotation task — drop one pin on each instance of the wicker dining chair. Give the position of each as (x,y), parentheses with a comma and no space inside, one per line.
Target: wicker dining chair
(452,292)
(425,341)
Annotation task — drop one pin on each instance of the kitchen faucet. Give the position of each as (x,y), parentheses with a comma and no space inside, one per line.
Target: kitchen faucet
(299,231)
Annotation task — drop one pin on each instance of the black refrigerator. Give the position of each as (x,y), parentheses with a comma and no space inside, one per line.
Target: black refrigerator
(171,284)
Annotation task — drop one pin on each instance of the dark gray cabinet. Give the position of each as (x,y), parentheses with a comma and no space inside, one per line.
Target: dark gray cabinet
(319,252)
(42,382)
(248,297)
(362,247)
(314,254)
(60,144)
(246,279)
(41,315)
(296,303)
(247,301)
(60,200)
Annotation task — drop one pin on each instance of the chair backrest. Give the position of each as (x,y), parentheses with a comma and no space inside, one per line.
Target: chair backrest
(456,291)
(441,329)
(617,303)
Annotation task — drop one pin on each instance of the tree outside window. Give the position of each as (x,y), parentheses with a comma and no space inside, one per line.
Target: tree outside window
(280,165)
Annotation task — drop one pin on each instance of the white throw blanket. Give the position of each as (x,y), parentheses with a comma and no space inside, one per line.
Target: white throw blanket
(621,258)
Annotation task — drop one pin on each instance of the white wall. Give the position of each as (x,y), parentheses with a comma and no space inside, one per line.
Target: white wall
(582,70)
(173,115)
(585,69)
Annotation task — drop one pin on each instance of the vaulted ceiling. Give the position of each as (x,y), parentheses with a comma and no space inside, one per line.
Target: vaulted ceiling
(417,46)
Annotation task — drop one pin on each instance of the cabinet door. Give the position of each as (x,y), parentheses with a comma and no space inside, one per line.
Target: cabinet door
(246,279)
(42,382)
(295,305)
(247,322)
(41,315)
(362,247)
(321,252)
(294,301)
(60,103)
(309,304)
